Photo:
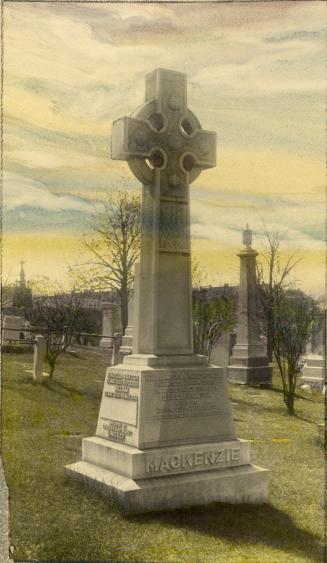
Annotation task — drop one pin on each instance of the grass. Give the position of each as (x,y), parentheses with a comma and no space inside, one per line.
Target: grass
(54,517)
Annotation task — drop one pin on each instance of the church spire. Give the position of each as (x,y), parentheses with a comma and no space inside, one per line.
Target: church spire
(22,283)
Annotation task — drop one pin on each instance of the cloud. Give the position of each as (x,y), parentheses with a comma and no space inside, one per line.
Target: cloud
(21,191)
(255,76)
(224,216)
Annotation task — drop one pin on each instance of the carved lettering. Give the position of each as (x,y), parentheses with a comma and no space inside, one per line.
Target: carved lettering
(123,378)
(212,458)
(188,395)
(235,455)
(164,464)
(117,431)
(175,461)
(198,458)
(187,460)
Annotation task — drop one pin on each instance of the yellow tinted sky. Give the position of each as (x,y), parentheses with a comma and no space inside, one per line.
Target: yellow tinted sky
(255,75)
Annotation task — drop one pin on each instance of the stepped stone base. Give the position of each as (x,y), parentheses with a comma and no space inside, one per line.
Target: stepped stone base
(249,364)
(243,484)
(253,375)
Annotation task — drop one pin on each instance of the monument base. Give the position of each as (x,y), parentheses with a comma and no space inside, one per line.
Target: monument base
(165,438)
(313,372)
(171,477)
(242,484)
(252,375)
(123,352)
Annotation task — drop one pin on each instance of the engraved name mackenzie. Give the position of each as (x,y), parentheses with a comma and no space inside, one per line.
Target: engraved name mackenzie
(193,459)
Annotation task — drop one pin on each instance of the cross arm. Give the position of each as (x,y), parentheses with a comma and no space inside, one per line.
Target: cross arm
(204,148)
(131,137)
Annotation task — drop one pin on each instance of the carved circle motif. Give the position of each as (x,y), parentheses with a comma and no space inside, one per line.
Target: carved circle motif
(175,141)
(140,137)
(174,101)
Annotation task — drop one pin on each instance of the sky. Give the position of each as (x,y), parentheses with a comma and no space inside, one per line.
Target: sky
(256,76)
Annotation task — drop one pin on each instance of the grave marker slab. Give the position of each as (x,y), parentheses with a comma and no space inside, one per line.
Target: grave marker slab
(314,369)
(39,355)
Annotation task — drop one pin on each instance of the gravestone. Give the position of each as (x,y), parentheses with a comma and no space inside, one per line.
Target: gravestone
(165,436)
(39,355)
(110,323)
(249,362)
(222,349)
(28,334)
(126,347)
(13,328)
(314,369)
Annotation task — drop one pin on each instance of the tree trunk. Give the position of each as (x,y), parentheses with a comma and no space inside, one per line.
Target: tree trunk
(124,307)
(269,347)
(290,403)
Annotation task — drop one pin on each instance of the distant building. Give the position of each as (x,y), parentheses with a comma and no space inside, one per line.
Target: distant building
(22,295)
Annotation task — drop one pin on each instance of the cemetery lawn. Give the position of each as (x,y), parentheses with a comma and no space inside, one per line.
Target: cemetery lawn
(55,517)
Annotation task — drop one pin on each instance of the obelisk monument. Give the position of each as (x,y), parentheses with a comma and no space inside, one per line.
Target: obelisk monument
(249,362)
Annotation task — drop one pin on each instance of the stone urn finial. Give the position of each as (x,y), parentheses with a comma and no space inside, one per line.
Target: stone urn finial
(247,236)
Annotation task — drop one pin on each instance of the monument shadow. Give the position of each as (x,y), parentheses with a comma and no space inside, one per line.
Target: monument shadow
(245,523)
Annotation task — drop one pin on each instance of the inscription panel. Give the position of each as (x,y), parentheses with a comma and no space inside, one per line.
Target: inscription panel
(185,406)
(118,417)
(185,395)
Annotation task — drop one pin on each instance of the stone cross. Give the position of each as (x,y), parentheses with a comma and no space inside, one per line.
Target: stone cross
(166,149)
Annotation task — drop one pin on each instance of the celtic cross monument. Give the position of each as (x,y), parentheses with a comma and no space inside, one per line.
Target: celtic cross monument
(165,436)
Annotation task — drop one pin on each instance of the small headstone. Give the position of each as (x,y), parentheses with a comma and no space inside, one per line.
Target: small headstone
(13,328)
(109,324)
(39,356)
(221,351)
(306,388)
(314,369)
(126,347)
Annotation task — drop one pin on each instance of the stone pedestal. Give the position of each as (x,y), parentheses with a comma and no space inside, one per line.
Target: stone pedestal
(249,362)
(165,436)
(313,372)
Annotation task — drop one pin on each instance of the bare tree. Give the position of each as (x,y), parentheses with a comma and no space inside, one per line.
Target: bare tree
(293,315)
(199,274)
(61,318)
(212,316)
(273,273)
(113,244)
